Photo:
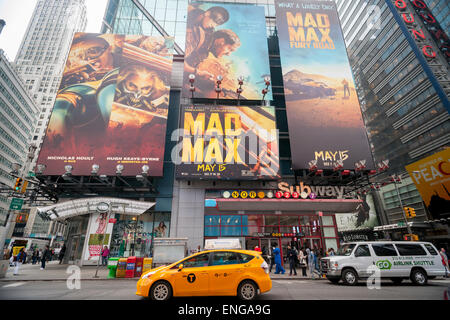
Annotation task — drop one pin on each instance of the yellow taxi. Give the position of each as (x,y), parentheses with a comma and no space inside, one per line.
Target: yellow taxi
(209,273)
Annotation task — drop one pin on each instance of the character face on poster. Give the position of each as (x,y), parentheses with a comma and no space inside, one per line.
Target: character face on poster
(225,39)
(111,107)
(228,142)
(323,110)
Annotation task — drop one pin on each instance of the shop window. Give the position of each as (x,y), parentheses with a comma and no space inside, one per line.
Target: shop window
(329,232)
(270,220)
(213,220)
(327,221)
(230,220)
(289,221)
(230,231)
(224,258)
(212,232)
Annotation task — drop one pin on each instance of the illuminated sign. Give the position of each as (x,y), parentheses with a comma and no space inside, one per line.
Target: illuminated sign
(304,191)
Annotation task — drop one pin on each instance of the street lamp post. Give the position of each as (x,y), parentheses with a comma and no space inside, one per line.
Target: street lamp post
(401,204)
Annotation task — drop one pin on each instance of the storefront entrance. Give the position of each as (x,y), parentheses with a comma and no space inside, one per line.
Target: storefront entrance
(75,248)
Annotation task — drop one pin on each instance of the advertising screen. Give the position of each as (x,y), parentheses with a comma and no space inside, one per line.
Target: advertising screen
(227,142)
(111,107)
(323,111)
(228,40)
(431,176)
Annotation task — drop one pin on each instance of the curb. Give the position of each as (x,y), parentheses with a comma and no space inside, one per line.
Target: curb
(64,279)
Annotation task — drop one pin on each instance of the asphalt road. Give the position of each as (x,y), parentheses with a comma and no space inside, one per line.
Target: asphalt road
(281,290)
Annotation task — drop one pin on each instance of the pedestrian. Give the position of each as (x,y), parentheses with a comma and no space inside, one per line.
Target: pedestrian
(277,259)
(312,259)
(34,256)
(292,256)
(19,261)
(39,256)
(271,259)
(302,261)
(61,253)
(257,249)
(45,256)
(445,261)
(24,259)
(105,254)
(331,252)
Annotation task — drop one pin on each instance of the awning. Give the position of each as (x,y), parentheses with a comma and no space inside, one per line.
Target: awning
(72,208)
(297,205)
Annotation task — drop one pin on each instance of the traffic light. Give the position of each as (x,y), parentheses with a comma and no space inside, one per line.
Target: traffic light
(19,184)
(412,212)
(411,237)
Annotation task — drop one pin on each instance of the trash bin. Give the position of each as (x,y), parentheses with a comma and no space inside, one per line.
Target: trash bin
(147,264)
(131,267)
(139,264)
(112,266)
(121,268)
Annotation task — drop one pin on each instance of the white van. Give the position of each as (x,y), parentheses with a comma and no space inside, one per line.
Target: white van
(397,260)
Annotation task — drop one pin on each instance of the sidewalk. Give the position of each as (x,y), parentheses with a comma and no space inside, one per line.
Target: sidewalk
(57,272)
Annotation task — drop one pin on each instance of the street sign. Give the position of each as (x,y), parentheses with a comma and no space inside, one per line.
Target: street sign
(16,204)
(31,174)
(112,220)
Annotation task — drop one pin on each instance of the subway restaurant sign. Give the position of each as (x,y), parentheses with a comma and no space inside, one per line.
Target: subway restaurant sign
(287,191)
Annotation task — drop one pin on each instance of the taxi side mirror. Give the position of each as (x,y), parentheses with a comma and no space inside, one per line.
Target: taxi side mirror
(180,267)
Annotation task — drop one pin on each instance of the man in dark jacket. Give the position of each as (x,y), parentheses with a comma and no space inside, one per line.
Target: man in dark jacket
(292,256)
(61,253)
(45,256)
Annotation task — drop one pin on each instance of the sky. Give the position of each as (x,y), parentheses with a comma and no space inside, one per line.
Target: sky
(17,14)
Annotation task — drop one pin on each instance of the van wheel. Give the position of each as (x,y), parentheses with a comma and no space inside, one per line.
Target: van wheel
(350,277)
(396,280)
(419,277)
(161,290)
(247,290)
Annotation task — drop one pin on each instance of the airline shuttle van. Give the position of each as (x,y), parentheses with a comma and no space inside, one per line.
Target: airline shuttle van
(396,260)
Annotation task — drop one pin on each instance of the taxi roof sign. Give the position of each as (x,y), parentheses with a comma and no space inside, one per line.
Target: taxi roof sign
(211,244)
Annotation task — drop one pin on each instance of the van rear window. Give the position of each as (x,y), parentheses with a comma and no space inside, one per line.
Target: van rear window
(410,250)
(431,250)
(384,250)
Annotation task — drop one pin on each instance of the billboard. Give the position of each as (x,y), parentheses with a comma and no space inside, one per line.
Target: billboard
(227,142)
(99,236)
(111,107)
(364,217)
(323,111)
(431,176)
(228,40)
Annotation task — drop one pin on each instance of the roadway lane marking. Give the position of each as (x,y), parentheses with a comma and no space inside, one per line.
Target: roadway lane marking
(17,284)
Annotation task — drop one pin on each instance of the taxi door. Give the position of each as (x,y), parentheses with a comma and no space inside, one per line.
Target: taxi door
(224,273)
(193,278)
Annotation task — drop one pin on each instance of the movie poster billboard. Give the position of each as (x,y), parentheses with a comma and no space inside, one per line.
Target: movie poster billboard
(431,176)
(228,40)
(364,217)
(323,111)
(227,142)
(99,236)
(111,107)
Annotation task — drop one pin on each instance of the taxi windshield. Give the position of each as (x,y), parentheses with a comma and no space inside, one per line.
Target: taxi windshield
(345,250)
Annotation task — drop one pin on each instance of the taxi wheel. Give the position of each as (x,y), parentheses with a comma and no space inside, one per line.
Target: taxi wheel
(247,290)
(161,290)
